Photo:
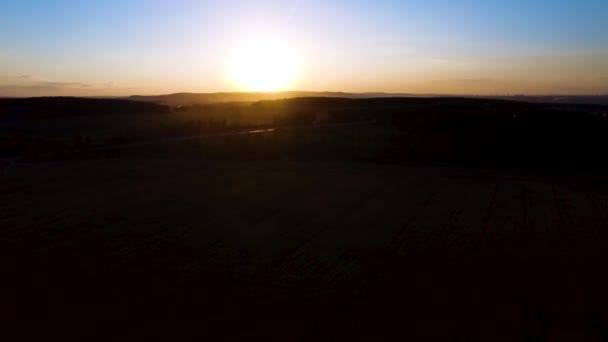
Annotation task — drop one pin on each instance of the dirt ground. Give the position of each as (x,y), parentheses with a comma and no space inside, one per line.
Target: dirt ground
(134,248)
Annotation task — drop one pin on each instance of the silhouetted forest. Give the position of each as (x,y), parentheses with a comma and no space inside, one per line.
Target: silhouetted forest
(52,107)
(447,131)
(444,131)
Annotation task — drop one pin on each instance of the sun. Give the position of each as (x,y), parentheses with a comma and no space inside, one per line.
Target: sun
(264,64)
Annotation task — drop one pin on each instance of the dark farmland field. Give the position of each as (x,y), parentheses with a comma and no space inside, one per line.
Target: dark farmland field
(171,248)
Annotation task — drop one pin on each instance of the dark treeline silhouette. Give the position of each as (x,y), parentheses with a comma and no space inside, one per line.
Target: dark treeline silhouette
(448,131)
(52,107)
(502,135)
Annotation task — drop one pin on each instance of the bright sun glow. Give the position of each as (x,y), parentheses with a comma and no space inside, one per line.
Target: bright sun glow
(265,64)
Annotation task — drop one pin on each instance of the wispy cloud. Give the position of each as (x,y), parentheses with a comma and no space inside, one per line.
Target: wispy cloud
(477,81)
(34,86)
(43,88)
(59,85)
(437,60)
(21,78)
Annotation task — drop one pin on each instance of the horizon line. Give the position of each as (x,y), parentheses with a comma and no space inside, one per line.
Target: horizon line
(396,94)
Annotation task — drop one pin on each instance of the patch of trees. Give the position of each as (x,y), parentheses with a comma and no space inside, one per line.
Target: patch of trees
(431,131)
(531,136)
(52,107)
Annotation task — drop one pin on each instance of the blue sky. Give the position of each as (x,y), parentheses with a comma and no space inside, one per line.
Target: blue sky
(462,47)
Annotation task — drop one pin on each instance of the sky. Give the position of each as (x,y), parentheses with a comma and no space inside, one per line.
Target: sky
(125,47)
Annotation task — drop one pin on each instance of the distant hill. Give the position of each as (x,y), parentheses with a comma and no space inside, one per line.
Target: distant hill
(563,99)
(187,99)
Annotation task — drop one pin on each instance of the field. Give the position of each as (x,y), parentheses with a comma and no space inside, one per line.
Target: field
(304,219)
(164,247)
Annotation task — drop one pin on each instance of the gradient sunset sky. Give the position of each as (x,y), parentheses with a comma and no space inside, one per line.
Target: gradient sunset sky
(124,47)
